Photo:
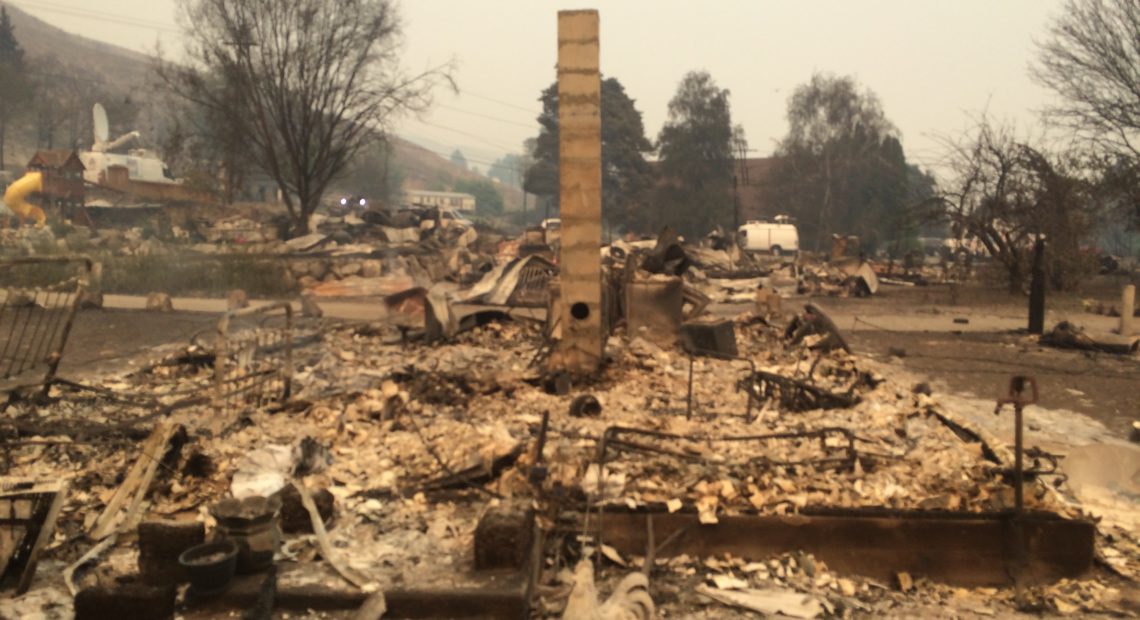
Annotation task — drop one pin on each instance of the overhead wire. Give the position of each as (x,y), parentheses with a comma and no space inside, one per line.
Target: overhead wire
(502,103)
(98,15)
(469,160)
(488,116)
(468,134)
(153,25)
(103,16)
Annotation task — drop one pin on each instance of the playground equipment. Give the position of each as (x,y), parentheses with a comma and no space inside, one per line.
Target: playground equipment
(15,199)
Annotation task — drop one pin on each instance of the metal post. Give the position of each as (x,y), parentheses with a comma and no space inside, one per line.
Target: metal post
(1037,289)
(735,206)
(1017,398)
(1127,308)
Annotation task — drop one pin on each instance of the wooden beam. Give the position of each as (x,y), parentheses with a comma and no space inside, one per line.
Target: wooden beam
(580,190)
(29,510)
(47,530)
(135,485)
(963,549)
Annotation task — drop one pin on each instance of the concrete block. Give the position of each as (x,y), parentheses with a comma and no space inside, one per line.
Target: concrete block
(160,544)
(504,536)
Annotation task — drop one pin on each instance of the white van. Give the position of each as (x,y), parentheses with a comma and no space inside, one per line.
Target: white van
(777,237)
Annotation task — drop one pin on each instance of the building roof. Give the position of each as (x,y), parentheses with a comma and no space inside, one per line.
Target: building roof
(55,159)
(424,192)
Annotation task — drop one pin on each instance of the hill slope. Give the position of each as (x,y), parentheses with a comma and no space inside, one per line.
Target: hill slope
(116,67)
(424,169)
(119,70)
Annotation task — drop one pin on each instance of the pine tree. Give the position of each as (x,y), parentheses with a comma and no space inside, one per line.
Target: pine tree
(12,76)
(10,51)
(626,175)
(696,158)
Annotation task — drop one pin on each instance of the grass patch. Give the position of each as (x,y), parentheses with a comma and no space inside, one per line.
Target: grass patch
(38,275)
(175,275)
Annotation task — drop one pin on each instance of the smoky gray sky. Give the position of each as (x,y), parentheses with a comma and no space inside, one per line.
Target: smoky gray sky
(932,63)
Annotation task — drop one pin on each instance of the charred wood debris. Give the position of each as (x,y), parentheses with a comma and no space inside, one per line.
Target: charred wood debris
(371,458)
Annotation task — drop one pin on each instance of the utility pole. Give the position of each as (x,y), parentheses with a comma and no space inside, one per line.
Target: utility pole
(735,205)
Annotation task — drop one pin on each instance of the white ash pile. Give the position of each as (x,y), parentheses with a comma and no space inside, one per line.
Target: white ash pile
(416,442)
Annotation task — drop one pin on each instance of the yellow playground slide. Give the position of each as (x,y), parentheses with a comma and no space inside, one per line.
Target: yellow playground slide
(15,197)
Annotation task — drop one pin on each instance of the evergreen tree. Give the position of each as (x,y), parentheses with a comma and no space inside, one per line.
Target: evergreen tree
(696,151)
(842,169)
(14,92)
(626,175)
(488,200)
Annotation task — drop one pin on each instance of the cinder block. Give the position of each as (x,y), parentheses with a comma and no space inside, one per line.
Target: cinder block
(504,536)
(136,601)
(160,544)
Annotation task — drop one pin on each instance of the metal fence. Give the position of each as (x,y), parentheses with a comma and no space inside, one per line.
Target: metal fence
(533,287)
(253,366)
(40,297)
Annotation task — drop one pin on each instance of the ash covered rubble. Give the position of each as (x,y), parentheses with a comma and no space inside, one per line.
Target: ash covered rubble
(407,447)
(382,253)
(725,274)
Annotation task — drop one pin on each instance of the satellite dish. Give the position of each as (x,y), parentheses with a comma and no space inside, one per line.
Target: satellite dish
(102,131)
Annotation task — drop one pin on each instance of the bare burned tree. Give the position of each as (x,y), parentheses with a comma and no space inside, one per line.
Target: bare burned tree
(308,83)
(1006,193)
(1091,59)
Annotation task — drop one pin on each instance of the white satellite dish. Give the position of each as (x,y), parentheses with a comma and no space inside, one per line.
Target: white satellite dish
(102,129)
(102,132)
(141,165)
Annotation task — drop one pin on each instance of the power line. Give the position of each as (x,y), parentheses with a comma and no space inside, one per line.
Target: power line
(444,155)
(503,103)
(469,160)
(468,134)
(101,16)
(66,76)
(489,117)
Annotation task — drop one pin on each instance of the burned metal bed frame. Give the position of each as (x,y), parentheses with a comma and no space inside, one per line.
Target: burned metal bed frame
(35,320)
(612,440)
(794,394)
(254,367)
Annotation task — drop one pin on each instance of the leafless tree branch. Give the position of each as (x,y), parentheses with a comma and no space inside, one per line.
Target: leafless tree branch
(307,83)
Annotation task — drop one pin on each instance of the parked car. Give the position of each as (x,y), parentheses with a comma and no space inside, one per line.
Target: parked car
(777,237)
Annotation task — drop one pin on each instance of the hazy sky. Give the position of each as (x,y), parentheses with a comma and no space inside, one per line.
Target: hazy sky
(931,62)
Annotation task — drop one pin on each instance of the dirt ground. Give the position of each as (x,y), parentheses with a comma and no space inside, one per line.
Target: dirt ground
(979,356)
(106,341)
(1101,386)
